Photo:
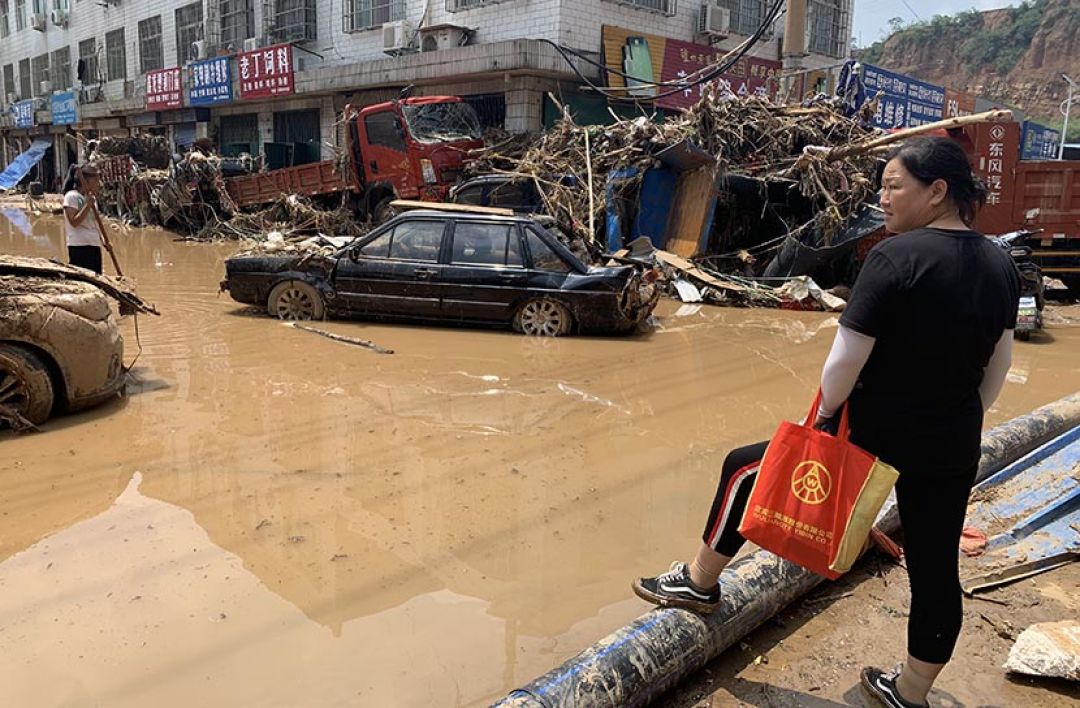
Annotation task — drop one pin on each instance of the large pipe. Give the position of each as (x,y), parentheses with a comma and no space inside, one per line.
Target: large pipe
(638,662)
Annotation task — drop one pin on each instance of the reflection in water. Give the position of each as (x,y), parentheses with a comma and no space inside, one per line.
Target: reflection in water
(319,525)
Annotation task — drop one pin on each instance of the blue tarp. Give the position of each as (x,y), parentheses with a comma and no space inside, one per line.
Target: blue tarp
(22,164)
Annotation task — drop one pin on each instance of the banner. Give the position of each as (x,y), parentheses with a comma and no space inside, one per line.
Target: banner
(267,72)
(650,59)
(65,108)
(211,82)
(163,89)
(22,164)
(958,103)
(1039,142)
(906,102)
(24,114)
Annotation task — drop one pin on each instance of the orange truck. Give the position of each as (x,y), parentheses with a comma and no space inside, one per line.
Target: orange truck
(414,148)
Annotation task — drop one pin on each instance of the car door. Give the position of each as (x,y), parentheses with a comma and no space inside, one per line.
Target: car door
(385,153)
(485,273)
(395,273)
(547,269)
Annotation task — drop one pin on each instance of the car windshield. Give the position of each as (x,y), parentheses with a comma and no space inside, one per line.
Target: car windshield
(442,122)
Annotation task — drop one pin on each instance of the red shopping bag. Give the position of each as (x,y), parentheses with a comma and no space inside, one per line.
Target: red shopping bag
(816,496)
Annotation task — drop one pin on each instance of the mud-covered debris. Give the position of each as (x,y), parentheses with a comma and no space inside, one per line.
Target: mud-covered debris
(1049,649)
(116,288)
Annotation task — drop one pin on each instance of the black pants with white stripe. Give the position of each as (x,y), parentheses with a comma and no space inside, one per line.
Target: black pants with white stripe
(932,508)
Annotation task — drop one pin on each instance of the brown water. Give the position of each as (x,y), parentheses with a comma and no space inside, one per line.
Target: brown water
(273,518)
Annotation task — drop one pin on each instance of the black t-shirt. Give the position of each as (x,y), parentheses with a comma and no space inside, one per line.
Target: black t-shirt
(936,301)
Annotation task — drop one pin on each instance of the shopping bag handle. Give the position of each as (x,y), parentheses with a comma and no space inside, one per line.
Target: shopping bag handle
(844,431)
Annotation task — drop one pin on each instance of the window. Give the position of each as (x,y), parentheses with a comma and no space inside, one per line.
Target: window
(746,15)
(294,21)
(5,19)
(151,52)
(9,80)
(455,5)
(20,15)
(543,257)
(411,241)
(380,247)
(88,56)
(189,29)
(473,194)
(486,244)
(509,195)
(366,14)
(24,79)
(382,130)
(116,55)
(39,66)
(237,21)
(663,7)
(825,23)
(39,7)
(61,69)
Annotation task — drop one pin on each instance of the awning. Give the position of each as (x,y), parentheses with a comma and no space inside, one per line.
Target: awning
(18,167)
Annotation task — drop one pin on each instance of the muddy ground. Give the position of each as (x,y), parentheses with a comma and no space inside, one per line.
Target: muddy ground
(273,518)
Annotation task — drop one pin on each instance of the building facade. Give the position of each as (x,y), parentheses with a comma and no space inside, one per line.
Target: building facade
(497,54)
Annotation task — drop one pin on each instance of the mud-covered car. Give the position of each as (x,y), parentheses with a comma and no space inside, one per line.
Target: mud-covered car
(450,266)
(60,348)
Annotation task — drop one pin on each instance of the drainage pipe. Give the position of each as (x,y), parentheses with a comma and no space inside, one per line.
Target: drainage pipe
(638,662)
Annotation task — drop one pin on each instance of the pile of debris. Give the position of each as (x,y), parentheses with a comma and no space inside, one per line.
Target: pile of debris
(153,151)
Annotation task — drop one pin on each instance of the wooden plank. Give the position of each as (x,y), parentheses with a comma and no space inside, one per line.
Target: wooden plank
(685,266)
(693,208)
(407,204)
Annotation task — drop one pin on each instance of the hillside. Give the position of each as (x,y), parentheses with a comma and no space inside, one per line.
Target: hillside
(1015,55)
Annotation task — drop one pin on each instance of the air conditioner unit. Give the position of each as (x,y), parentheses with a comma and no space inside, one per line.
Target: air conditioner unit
(60,18)
(129,89)
(251,44)
(714,21)
(397,36)
(199,50)
(37,21)
(439,37)
(13,98)
(45,87)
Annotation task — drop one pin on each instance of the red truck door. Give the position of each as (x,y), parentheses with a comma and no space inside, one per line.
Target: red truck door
(384,152)
(997,150)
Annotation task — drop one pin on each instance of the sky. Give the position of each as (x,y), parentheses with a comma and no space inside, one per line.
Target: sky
(872,16)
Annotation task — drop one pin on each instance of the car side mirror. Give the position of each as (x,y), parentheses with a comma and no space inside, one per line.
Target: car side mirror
(354,253)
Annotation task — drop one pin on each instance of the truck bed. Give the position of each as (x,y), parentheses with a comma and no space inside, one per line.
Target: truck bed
(1047,196)
(307,180)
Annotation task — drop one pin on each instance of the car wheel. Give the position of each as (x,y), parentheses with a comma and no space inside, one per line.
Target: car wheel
(383,212)
(25,386)
(543,318)
(295,300)
(1023,335)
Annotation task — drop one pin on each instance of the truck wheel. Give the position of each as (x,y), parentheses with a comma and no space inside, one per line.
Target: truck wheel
(383,212)
(295,300)
(25,386)
(543,318)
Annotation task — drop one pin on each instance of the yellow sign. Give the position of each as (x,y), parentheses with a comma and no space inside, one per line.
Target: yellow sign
(811,482)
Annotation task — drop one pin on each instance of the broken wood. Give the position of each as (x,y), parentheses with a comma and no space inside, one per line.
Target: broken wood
(343,339)
(688,268)
(843,151)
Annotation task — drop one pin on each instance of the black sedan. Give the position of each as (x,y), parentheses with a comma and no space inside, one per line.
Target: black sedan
(450,266)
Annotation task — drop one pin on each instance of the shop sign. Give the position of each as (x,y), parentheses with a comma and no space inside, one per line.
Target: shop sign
(651,59)
(65,108)
(164,89)
(24,114)
(211,82)
(266,73)
(906,102)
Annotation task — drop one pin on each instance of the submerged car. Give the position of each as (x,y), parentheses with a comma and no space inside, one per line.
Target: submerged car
(450,266)
(60,348)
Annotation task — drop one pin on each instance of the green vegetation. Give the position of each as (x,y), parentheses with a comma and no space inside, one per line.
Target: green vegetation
(979,46)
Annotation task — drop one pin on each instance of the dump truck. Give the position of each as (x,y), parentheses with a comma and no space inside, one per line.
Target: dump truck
(414,148)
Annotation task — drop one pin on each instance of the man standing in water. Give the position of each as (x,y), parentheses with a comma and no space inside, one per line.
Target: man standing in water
(80,224)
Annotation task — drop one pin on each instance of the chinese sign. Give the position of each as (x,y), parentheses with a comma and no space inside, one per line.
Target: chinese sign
(24,114)
(997,150)
(65,108)
(211,82)
(163,89)
(906,102)
(958,103)
(650,59)
(266,72)
(1039,142)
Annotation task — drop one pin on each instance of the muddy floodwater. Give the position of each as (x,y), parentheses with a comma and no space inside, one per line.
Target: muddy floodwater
(274,518)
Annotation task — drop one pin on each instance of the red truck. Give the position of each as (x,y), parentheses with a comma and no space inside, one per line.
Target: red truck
(413,148)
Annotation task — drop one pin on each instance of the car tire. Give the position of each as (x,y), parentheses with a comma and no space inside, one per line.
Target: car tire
(25,385)
(295,300)
(543,317)
(383,212)
(1023,335)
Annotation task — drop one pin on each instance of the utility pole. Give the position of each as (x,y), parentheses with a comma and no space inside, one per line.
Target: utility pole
(794,48)
(1065,125)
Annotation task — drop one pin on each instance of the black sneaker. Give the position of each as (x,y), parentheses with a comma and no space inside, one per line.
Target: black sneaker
(675,589)
(882,686)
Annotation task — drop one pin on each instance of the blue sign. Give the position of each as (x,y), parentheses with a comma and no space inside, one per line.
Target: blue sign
(906,102)
(24,114)
(1039,142)
(65,108)
(18,167)
(211,82)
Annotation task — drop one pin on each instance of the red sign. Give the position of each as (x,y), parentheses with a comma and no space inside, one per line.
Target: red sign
(266,72)
(750,75)
(164,90)
(958,103)
(997,150)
